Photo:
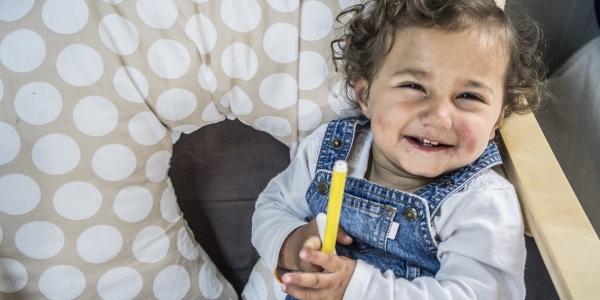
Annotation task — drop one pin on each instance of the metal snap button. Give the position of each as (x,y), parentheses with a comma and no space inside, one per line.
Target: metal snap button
(410,214)
(448,183)
(323,188)
(336,143)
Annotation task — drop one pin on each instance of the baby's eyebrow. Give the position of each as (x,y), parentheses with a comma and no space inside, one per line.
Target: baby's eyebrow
(473,83)
(418,73)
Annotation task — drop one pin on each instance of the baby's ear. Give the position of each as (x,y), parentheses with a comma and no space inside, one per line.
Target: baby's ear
(498,124)
(361,93)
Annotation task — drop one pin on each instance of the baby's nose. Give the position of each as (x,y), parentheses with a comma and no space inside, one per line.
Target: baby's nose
(436,113)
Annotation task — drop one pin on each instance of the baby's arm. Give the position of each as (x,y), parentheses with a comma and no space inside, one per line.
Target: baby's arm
(481,251)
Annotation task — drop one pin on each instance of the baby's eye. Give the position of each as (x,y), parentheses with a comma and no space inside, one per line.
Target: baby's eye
(469,96)
(413,86)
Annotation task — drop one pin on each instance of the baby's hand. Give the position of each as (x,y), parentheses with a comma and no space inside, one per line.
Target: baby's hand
(305,237)
(330,284)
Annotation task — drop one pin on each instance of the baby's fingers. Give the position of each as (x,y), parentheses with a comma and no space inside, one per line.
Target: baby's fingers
(311,286)
(330,262)
(342,237)
(310,280)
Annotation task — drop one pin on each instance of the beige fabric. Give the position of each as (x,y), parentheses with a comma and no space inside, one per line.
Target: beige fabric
(92,95)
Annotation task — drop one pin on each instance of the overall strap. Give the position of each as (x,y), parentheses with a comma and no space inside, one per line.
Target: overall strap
(338,141)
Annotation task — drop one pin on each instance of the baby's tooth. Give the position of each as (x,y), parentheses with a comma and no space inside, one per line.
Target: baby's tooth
(428,142)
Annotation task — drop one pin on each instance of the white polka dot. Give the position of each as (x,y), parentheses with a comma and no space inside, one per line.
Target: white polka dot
(309,115)
(207,79)
(201,30)
(11,143)
(20,194)
(1,90)
(40,239)
(38,103)
(77,200)
(168,205)
(284,5)
(62,282)
(172,282)
(14,10)
(242,16)
(56,154)
(114,2)
(159,14)
(79,65)
(1,234)
(211,113)
(95,116)
(133,204)
(337,101)
(158,165)
(120,283)
(210,287)
(256,287)
(151,245)
(119,34)
(13,275)
(131,84)
(176,104)
(22,50)
(316,21)
(168,59)
(312,70)
(200,1)
(114,162)
(281,43)
(239,61)
(65,16)
(346,3)
(146,129)
(279,91)
(276,126)
(187,247)
(239,102)
(99,244)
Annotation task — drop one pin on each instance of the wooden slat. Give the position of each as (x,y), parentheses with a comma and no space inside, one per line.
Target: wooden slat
(565,237)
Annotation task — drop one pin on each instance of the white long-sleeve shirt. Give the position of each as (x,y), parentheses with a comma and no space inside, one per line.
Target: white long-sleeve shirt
(479,232)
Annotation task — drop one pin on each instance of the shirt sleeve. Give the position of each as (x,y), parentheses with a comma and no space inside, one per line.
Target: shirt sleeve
(481,251)
(282,206)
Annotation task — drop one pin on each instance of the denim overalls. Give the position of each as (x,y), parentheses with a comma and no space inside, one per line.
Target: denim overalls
(390,228)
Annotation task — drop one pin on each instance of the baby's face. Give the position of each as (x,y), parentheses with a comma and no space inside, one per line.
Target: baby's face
(436,100)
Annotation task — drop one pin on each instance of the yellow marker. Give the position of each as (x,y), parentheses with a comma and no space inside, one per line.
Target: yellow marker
(334,206)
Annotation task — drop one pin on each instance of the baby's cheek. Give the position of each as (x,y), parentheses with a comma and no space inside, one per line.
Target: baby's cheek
(471,141)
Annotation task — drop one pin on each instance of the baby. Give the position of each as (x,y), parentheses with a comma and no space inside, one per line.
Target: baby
(424,216)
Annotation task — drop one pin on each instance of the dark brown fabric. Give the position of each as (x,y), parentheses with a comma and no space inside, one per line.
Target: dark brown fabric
(218,172)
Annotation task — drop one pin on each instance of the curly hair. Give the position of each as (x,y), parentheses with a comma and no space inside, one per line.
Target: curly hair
(369,30)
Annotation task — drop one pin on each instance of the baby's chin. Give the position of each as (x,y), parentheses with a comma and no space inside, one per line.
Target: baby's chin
(431,173)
